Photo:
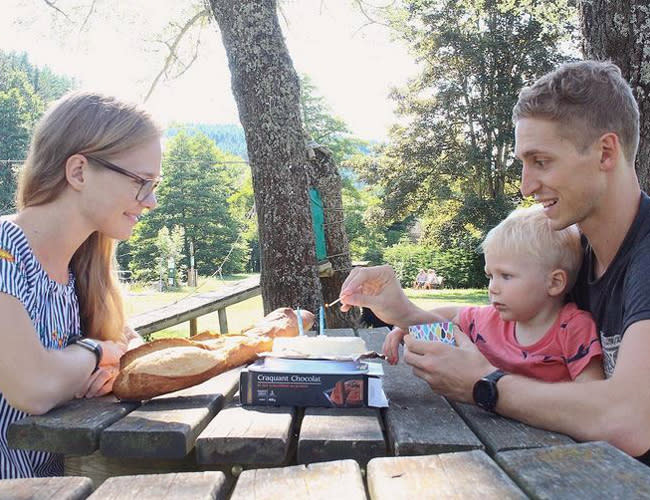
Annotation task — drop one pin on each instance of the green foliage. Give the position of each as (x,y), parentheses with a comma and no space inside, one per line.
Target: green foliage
(460,266)
(228,138)
(24,92)
(170,252)
(324,128)
(450,160)
(198,181)
(407,259)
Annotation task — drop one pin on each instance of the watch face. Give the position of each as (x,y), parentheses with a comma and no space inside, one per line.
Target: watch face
(485,394)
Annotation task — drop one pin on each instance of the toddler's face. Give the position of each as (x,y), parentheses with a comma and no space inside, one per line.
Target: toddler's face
(518,285)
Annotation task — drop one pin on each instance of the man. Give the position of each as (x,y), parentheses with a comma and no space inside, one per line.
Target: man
(577,134)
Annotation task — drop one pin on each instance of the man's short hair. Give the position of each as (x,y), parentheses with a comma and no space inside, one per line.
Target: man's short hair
(587,99)
(528,232)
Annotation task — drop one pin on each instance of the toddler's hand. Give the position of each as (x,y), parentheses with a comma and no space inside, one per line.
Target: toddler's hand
(391,345)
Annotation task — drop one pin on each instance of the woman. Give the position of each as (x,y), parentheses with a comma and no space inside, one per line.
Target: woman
(92,168)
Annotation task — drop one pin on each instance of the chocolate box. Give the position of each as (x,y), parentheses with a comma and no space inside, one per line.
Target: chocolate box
(308,382)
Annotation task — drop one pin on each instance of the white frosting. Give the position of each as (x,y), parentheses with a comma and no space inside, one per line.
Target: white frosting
(320,346)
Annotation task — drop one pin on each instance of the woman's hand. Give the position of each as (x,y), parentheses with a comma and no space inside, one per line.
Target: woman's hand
(391,345)
(101,380)
(99,383)
(378,289)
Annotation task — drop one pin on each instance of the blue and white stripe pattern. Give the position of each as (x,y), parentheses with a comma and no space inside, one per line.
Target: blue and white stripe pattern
(54,311)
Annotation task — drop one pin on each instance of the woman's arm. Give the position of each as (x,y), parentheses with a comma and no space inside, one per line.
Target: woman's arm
(32,378)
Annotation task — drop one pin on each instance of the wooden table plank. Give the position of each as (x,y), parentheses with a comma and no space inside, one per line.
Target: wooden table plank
(167,426)
(183,485)
(340,433)
(418,421)
(46,488)
(73,428)
(500,433)
(577,471)
(251,435)
(324,481)
(466,475)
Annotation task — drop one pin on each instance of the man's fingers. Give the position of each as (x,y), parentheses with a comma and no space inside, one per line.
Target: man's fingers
(462,340)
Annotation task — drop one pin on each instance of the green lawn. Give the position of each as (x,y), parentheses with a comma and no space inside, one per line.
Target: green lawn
(138,300)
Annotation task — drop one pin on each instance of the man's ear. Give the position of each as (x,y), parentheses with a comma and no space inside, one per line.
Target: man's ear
(558,279)
(610,151)
(75,171)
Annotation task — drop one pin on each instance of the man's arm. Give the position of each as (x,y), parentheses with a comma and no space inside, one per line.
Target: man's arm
(616,410)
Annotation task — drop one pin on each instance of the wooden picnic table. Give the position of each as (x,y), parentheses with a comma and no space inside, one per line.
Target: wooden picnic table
(202,440)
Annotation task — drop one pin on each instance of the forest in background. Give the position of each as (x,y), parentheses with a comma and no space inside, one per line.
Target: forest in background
(423,198)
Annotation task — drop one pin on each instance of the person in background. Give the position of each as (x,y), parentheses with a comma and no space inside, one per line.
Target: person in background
(529,328)
(92,168)
(420,279)
(577,135)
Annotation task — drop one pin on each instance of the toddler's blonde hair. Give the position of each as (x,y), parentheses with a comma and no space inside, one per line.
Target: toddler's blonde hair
(527,231)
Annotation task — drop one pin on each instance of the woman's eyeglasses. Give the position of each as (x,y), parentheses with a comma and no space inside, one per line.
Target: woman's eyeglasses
(147,186)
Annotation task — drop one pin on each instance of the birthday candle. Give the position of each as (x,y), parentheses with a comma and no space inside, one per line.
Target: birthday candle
(322,320)
(300,330)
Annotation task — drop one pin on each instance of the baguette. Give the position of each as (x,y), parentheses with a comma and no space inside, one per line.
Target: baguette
(168,365)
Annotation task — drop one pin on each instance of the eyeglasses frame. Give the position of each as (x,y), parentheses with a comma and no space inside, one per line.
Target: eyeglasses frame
(143,182)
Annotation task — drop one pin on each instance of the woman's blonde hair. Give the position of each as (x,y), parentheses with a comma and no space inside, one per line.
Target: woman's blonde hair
(527,231)
(82,122)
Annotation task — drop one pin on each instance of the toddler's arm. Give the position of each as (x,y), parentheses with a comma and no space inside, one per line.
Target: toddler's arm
(593,371)
(396,335)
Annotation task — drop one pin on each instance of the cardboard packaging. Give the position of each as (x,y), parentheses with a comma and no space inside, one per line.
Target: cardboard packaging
(312,382)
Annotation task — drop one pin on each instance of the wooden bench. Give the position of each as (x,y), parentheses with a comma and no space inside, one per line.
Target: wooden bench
(577,471)
(190,308)
(46,488)
(331,480)
(179,486)
(466,475)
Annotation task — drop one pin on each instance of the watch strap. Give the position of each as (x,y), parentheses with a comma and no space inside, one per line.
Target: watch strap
(489,380)
(89,344)
(495,376)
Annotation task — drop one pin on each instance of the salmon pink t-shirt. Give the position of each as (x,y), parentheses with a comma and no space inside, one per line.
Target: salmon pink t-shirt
(560,355)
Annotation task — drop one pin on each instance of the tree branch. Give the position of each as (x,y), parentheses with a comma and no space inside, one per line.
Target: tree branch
(172,50)
(50,3)
(90,13)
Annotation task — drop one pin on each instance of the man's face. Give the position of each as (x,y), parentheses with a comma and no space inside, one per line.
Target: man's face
(566,181)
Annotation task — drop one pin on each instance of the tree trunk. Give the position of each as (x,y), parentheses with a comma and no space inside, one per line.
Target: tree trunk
(325,177)
(266,89)
(620,31)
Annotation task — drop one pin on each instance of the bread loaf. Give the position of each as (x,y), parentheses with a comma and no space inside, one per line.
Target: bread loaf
(167,365)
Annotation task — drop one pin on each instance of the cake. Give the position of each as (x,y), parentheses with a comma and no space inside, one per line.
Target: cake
(320,346)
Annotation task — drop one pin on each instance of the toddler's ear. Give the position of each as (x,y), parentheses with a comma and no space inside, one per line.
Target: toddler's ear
(558,280)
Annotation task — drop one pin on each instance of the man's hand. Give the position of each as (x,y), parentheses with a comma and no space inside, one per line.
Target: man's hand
(378,289)
(391,345)
(450,371)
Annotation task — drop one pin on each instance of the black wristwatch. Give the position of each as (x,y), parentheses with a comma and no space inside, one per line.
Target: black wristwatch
(90,344)
(485,391)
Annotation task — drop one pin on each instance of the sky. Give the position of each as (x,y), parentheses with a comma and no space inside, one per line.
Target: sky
(353,66)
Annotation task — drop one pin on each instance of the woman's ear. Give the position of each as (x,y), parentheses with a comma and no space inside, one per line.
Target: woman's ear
(558,279)
(75,171)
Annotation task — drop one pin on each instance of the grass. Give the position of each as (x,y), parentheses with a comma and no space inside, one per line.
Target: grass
(139,299)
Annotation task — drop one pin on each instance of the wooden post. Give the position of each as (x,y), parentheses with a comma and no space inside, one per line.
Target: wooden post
(193,327)
(223,320)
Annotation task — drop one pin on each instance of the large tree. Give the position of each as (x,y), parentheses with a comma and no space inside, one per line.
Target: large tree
(267,91)
(198,181)
(451,156)
(620,31)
